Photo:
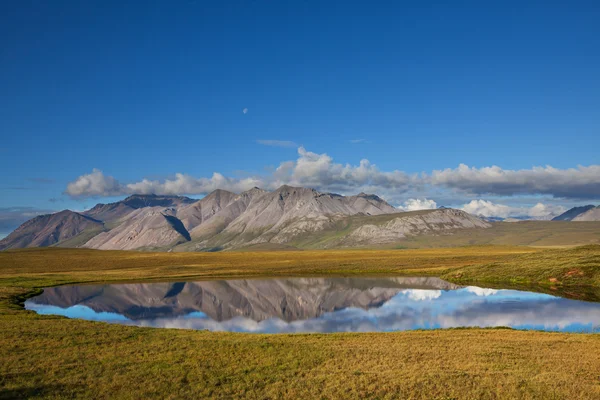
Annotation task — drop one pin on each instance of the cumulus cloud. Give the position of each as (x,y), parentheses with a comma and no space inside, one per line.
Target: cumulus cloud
(186,184)
(97,184)
(418,204)
(482,292)
(94,184)
(581,182)
(321,172)
(245,110)
(488,209)
(277,143)
(422,294)
(545,210)
(310,169)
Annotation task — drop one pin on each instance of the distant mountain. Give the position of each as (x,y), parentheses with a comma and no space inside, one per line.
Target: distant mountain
(492,219)
(571,214)
(593,214)
(288,216)
(113,211)
(47,230)
(516,218)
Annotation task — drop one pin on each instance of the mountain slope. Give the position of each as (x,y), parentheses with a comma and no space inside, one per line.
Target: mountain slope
(574,212)
(114,211)
(144,228)
(109,212)
(288,216)
(47,230)
(220,220)
(282,215)
(441,221)
(593,214)
(348,231)
(274,210)
(203,210)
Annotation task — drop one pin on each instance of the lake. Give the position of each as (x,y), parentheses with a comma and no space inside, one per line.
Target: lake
(290,305)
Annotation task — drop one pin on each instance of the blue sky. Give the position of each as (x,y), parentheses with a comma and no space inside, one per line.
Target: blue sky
(146,91)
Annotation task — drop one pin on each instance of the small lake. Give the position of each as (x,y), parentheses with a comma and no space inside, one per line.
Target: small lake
(316,305)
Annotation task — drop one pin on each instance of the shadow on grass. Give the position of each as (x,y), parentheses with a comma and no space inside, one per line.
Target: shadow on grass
(41,391)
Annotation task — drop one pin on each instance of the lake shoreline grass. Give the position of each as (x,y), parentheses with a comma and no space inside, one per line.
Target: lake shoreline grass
(55,357)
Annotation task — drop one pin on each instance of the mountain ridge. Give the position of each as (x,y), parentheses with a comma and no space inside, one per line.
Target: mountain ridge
(46,230)
(573,213)
(593,214)
(225,220)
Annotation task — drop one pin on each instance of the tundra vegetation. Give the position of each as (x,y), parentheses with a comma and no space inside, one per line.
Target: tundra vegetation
(55,357)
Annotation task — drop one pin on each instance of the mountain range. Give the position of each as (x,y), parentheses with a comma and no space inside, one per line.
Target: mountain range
(287,217)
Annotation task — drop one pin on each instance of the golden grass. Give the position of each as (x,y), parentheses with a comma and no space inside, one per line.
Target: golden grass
(94,265)
(54,357)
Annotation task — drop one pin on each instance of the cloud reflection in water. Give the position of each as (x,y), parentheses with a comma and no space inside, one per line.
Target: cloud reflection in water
(317,305)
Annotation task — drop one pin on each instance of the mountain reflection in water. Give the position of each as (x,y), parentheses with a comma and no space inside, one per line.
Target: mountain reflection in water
(316,305)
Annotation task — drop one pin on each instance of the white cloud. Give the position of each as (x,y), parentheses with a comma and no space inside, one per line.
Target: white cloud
(277,143)
(355,141)
(321,172)
(422,294)
(484,292)
(309,170)
(488,209)
(186,184)
(581,182)
(94,184)
(546,210)
(245,110)
(418,204)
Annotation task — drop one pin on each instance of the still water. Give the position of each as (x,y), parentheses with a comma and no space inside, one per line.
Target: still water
(316,305)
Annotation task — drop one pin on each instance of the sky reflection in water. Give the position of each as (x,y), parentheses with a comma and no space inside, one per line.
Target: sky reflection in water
(317,305)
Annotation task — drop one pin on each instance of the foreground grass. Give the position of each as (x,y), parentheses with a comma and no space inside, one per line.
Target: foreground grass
(54,357)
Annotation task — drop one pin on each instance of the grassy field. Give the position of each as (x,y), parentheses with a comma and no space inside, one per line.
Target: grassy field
(54,357)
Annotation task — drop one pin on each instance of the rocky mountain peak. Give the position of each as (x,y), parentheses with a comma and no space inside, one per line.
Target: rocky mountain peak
(225,220)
